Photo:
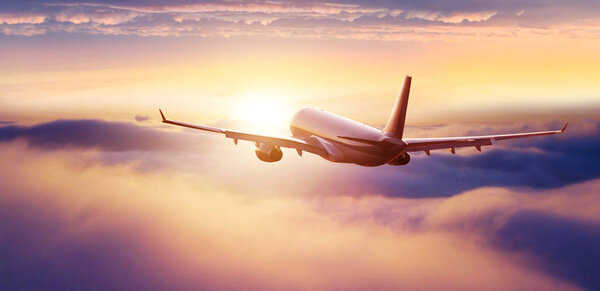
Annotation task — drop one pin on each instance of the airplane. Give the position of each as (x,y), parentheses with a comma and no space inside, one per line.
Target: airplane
(342,140)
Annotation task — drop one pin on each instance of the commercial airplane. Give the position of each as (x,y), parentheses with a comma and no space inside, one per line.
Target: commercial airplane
(342,140)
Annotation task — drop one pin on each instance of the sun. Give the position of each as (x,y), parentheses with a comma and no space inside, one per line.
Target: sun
(262,110)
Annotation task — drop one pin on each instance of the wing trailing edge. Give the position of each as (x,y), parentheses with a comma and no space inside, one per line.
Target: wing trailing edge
(427,144)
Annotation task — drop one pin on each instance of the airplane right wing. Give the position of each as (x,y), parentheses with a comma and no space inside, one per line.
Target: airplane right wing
(427,144)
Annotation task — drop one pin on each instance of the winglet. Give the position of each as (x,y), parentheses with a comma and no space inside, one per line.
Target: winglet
(162,115)
(564,128)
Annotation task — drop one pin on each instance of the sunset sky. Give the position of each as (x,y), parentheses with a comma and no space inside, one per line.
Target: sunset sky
(95,193)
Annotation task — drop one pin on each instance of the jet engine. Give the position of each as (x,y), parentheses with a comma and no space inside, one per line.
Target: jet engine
(268,153)
(400,160)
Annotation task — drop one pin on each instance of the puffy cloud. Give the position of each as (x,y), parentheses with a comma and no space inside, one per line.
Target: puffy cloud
(561,236)
(550,162)
(567,248)
(102,226)
(21,18)
(79,15)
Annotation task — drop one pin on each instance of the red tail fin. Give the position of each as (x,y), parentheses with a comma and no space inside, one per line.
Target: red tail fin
(395,124)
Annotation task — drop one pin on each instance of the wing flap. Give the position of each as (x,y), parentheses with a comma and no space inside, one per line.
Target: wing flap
(436,145)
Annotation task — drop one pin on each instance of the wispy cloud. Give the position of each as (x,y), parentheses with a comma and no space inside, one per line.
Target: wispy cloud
(300,19)
(452,18)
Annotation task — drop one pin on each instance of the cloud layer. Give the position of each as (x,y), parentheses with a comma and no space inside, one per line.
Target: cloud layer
(537,163)
(112,227)
(111,205)
(381,20)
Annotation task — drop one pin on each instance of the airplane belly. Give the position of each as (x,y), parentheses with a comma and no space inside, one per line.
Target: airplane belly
(341,154)
(364,158)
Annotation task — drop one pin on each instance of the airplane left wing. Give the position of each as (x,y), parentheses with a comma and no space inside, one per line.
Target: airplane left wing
(427,144)
(310,145)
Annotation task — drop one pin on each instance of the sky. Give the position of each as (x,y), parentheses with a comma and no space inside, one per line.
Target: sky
(95,193)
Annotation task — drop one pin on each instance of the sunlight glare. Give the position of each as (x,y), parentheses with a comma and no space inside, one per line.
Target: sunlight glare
(262,111)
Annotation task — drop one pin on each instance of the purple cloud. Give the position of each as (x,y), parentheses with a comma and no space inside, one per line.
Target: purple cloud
(382,20)
(142,118)
(556,161)
(97,134)
(102,227)
(568,248)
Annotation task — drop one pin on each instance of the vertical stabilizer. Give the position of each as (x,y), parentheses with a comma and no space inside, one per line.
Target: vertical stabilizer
(395,124)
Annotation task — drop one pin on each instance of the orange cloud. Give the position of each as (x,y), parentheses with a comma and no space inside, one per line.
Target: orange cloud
(301,20)
(455,17)
(21,18)
(106,18)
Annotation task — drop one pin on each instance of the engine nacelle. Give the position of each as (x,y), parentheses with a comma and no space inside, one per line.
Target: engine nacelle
(400,160)
(268,153)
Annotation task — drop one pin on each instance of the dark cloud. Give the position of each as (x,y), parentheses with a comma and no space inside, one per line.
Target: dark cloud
(98,134)
(539,163)
(543,162)
(37,252)
(46,246)
(567,248)
(142,118)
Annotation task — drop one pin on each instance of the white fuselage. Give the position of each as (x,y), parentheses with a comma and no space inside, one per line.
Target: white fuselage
(329,129)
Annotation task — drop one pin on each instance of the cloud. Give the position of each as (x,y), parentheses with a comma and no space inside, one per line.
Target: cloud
(380,20)
(112,227)
(452,18)
(568,248)
(538,163)
(23,30)
(106,19)
(559,228)
(97,134)
(21,18)
(142,118)
(548,162)
(42,249)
